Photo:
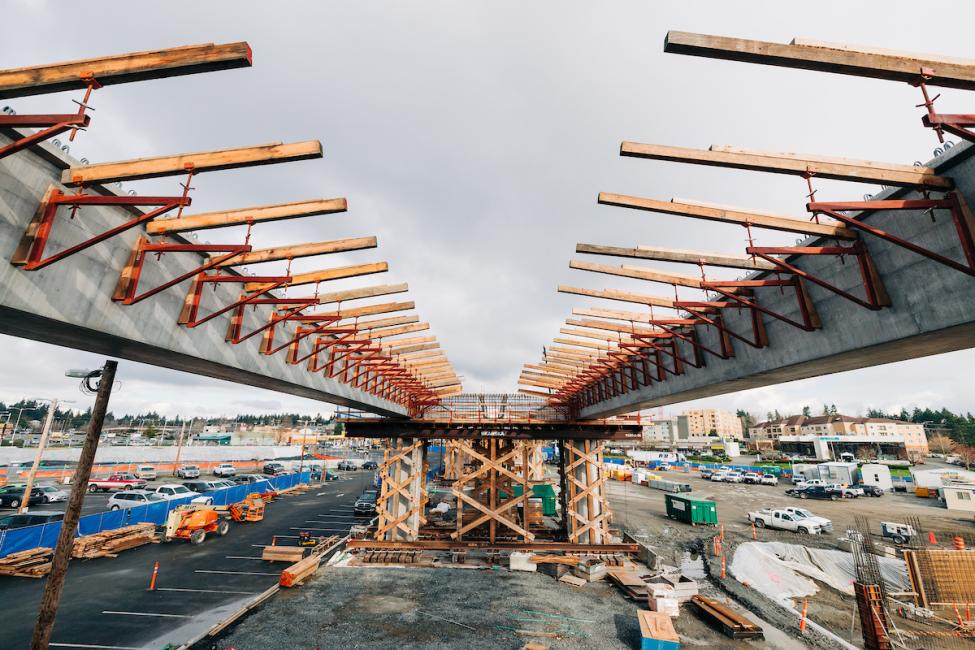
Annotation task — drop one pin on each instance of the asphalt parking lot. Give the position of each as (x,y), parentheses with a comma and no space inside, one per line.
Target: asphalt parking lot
(106,601)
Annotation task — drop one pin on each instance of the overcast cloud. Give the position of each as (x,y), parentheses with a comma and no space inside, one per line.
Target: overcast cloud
(472,139)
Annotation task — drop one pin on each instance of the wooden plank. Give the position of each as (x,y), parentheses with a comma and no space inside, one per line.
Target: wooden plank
(788,155)
(632,316)
(583,344)
(300,250)
(614,327)
(369,310)
(583,354)
(903,66)
(259,214)
(363,292)
(795,166)
(598,335)
(396,331)
(201,161)
(414,348)
(124,68)
(623,296)
(413,340)
(786,224)
(678,255)
(849,47)
(637,273)
(535,393)
(365,326)
(324,275)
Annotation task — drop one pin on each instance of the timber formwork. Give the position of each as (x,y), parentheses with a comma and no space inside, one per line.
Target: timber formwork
(490,459)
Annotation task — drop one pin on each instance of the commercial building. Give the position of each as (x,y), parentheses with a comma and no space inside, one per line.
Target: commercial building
(826,437)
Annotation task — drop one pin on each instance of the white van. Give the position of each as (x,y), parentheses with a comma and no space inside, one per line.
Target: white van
(146,472)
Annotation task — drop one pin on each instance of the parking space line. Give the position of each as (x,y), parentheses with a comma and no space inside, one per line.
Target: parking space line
(147,614)
(207,591)
(239,573)
(242,557)
(342,530)
(90,645)
(340,495)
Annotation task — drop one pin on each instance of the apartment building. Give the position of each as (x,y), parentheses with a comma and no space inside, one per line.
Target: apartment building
(826,436)
(705,422)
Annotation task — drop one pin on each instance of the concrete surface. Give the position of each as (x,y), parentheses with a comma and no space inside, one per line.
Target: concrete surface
(69,303)
(932,310)
(193,599)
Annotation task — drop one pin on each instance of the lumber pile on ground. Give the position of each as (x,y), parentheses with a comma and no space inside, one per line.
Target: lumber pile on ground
(283,553)
(296,573)
(108,543)
(301,488)
(33,563)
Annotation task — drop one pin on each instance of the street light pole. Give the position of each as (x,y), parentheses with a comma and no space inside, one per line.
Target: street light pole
(62,552)
(37,457)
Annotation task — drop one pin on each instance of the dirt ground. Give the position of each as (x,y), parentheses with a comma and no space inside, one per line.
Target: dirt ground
(640,511)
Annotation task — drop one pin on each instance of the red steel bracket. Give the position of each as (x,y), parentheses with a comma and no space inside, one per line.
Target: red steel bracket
(128,284)
(30,252)
(50,125)
(189,316)
(953,202)
(956,124)
(235,326)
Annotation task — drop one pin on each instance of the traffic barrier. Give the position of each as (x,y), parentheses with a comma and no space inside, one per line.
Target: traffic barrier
(46,535)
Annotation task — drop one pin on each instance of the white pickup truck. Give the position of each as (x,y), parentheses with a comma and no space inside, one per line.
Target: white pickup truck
(784,520)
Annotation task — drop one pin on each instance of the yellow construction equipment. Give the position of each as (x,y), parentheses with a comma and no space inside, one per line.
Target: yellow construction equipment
(193,522)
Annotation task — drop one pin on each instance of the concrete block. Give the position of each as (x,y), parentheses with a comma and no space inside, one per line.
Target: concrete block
(521,562)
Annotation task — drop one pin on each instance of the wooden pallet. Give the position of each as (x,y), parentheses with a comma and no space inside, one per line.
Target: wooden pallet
(108,543)
(33,563)
(630,583)
(731,623)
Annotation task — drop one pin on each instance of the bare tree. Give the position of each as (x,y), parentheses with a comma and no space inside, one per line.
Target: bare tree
(967,454)
(941,444)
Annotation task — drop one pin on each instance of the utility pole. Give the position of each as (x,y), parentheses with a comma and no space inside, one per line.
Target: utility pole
(179,447)
(62,552)
(37,457)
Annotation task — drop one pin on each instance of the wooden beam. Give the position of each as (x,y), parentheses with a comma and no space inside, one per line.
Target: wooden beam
(788,155)
(637,273)
(324,275)
(635,317)
(363,292)
(623,296)
(863,62)
(364,326)
(551,370)
(403,356)
(262,214)
(583,354)
(443,383)
(370,310)
(123,68)
(201,161)
(535,393)
(615,327)
(386,332)
(400,353)
(600,336)
(794,166)
(300,250)
(392,345)
(679,255)
(583,344)
(422,357)
(786,224)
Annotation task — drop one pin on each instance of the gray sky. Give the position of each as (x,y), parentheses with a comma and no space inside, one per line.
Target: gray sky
(472,139)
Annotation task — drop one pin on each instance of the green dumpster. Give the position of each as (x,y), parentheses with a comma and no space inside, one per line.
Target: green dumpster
(542,491)
(691,510)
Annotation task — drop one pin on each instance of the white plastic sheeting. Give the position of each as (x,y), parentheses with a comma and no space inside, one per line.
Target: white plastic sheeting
(783,571)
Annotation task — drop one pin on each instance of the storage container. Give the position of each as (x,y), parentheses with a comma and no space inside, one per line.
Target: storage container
(691,510)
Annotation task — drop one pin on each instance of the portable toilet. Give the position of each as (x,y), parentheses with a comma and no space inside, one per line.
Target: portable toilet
(691,510)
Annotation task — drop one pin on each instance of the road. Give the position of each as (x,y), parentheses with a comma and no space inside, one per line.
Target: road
(106,601)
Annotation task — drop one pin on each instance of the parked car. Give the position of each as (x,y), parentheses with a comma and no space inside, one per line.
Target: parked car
(872,490)
(769,479)
(29,519)
(370,464)
(15,497)
(783,520)
(52,494)
(329,475)
(274,469)
(133,499)
(707,473)
(171,491)
(224,470)
(366,503)
(244,479)
(664,467)
(752,478)
(188,471)
(347,465)
(147,472)
(719,476)
(206,486)
(814,492)
(733,477)
(116,481)
(825,524)
(845,491)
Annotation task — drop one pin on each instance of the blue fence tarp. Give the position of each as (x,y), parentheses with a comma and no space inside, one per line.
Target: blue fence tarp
(46,535)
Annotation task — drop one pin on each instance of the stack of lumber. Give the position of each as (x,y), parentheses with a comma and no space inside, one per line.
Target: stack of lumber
(567,560)
(296,573)
(535,513)
(109,542)
(730,622)
(34,563)
(283,553)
